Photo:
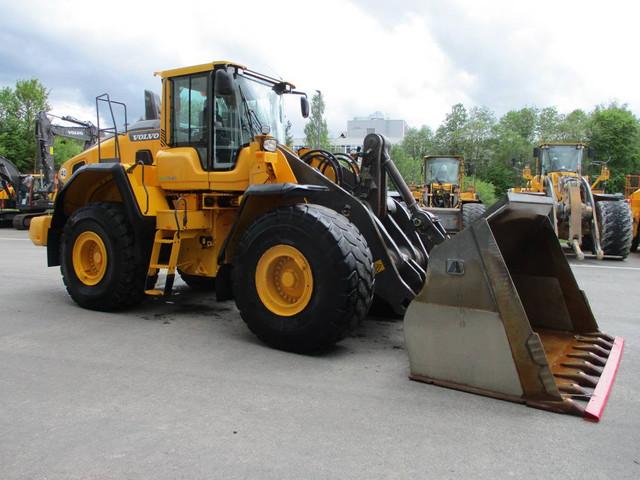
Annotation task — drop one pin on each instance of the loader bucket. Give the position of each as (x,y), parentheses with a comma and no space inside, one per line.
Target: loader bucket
(501,315)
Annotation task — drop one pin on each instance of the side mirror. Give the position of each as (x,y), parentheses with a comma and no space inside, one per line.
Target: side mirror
(151,105)
(536,152)
(590,152)
(304,106)
(145,157)
(223,83)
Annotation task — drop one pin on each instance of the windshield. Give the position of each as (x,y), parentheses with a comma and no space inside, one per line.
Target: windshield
(262,107)
(562,158)
(442,170)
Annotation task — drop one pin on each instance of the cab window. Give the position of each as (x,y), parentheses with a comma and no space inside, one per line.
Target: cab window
(228,135)
(189,114)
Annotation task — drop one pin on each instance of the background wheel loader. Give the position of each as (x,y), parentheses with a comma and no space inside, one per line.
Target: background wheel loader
(303,253)
(583,216)
(444,195)
(632,194)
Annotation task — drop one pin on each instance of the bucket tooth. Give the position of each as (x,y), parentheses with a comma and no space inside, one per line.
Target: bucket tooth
(590,357)
(595,349)
(584,366)
(574,389)
(604,336)
(511,321)
(595,341)
(580,378)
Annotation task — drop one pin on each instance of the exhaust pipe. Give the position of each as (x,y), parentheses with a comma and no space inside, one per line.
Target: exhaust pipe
(501,314)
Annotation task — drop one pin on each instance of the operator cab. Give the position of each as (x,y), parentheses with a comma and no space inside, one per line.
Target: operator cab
(218,109)
(561,158)
(442,170)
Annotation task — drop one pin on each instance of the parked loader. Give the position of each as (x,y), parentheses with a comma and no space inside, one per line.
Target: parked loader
(444,195)
(9,179)
(632,194)
(227,206)
(583,216)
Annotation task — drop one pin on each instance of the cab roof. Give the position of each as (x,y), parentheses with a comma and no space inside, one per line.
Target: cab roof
(457,157)
(203,67)
(562,144)
(207,67)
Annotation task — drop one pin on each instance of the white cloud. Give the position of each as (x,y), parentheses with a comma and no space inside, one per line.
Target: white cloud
(572,54)
(360,65)
(410,61)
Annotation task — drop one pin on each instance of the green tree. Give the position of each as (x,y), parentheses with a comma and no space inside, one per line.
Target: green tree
(478,135)
(410,167)
(450,135)
(316,131)
(288,136)
(614,134)
(65,148)
(418,142)
(548,124)
(18,109)
(574,127)
(485,190)
(514,137)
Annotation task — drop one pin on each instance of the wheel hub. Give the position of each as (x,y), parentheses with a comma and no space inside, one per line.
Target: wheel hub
(89,258)
(284,280)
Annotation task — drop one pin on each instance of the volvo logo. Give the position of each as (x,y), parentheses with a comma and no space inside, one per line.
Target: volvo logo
(144,136)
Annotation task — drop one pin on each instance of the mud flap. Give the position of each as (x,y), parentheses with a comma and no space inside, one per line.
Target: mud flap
(501,314)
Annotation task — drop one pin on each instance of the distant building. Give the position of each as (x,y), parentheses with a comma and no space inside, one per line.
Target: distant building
(358,128)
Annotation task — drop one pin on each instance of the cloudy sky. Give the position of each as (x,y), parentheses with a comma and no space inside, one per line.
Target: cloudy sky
(408,59)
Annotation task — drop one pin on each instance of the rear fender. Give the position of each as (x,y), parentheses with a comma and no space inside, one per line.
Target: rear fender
(100,182)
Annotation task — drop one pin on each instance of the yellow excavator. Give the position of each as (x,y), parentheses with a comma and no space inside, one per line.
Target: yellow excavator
(226,205)
(583,215)
(444,195)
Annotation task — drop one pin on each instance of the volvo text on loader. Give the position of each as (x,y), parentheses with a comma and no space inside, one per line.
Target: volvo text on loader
(224,204)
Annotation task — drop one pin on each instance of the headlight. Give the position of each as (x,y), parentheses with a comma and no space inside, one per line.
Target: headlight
(269,144)
(62,173)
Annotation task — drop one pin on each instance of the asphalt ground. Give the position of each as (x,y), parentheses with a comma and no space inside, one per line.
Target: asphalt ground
(181,389)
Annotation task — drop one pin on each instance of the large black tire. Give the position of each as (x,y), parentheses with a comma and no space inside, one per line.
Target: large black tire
(197,282)
(21,222)
(123,282)
(471,212)
(342,269)
(616,227)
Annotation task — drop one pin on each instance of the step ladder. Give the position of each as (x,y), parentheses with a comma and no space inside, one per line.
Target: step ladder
(163,237)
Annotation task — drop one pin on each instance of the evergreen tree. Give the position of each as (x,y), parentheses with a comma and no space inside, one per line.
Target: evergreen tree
(316,131)
(288,136)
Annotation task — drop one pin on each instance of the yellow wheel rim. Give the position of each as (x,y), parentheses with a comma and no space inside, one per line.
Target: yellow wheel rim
(89,258)
(284,280)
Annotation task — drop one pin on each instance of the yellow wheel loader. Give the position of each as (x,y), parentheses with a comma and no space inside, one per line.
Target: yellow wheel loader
(303,247)
(632,193)
(583,216)
(443,192)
